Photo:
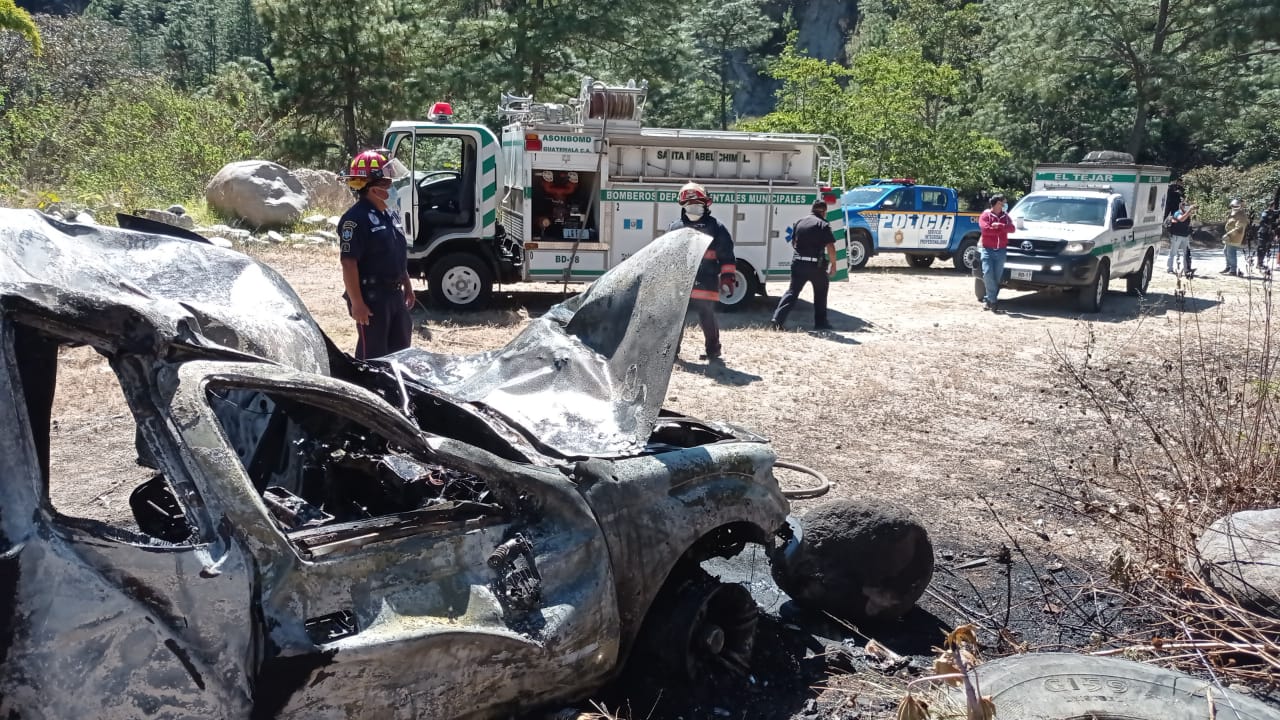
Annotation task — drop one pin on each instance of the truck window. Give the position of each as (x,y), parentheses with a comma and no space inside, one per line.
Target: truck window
(902,199)
(862,196)
(1072,210)
(1151,198)
(1119,211)
(933,200)
(443,170)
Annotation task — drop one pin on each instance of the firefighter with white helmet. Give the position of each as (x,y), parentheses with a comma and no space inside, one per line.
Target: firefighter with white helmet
(718,268)
(374,253)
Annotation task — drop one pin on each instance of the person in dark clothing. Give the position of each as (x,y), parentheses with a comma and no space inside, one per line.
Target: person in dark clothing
(1179,226)
(814,262)
(374,257)
(718,268)
(1268,232)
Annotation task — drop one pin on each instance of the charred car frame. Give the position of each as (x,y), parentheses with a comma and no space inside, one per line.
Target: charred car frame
(423,536)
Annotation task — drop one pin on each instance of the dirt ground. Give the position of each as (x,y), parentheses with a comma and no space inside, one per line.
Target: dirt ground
(918,396)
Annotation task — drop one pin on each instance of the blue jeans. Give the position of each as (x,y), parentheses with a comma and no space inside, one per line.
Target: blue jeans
(992,272)
(1231,252)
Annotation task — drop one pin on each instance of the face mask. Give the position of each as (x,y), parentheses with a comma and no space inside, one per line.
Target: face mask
(694,211)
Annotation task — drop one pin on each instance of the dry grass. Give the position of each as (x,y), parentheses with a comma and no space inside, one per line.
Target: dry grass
(1192,434)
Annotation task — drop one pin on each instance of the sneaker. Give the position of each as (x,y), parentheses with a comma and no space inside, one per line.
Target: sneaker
(986,305)
(1227,272)
(710,356)
(1171,271)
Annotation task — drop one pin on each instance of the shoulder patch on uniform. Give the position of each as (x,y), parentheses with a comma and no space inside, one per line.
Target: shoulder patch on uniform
(347,232)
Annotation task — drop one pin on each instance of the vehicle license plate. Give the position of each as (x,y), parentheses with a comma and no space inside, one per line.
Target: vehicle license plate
(1021,274)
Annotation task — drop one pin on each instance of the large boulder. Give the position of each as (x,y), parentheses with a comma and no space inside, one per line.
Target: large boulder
(858,560)
(325,189)
(1239,555)
(263,194)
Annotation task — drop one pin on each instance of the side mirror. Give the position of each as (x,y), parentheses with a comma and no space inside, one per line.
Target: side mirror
(1122,223)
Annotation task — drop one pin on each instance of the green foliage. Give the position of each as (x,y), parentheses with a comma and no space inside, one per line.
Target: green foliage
(886,111)
(341,66)
(1212,188)
(18,20)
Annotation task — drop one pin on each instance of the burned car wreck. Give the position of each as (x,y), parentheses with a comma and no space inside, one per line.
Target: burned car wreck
(422,536)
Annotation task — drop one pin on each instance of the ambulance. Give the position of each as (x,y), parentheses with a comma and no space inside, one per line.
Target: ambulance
(568,191)
(1085,225)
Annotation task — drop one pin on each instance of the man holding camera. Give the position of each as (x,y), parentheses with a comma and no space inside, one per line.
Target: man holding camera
(1179,225)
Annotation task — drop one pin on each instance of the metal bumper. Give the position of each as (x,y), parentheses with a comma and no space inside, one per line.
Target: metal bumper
(1029,272)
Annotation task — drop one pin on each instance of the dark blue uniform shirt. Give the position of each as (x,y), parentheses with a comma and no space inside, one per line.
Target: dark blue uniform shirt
(375,240)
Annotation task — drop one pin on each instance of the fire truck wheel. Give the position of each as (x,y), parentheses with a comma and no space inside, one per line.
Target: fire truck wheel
(460,281)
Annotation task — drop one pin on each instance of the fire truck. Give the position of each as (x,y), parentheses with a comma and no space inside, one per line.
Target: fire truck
(569,190)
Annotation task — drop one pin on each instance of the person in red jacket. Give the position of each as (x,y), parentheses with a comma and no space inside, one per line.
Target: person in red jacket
(995,225)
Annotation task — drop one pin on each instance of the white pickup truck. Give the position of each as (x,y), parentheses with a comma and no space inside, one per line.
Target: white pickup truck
(1084,225)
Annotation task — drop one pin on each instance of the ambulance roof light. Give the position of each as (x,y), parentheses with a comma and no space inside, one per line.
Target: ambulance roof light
(441,112)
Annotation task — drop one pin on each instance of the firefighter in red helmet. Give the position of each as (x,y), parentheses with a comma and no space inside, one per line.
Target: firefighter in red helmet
(718,268)
(374,256)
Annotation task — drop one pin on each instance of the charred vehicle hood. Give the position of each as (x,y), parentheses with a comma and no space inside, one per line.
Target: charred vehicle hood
(588,378)
(150,292)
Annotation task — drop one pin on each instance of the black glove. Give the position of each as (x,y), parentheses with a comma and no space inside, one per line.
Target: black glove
(729,281)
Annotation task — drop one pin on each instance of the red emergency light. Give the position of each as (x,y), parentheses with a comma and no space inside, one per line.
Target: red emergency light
(905,181)
(441,112)
(827,195)
(532,142)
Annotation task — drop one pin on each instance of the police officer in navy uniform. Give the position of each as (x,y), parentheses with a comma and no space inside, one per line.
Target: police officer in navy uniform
(374,257)
(718,267)
(814,262)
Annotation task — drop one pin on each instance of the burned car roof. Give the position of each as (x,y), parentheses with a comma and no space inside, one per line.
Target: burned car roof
(149,292)
(587,379)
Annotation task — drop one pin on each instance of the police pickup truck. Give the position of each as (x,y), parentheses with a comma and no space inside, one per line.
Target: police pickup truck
(1084,225)
(921,221)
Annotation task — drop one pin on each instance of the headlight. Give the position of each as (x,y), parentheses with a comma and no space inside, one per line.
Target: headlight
(1078,247)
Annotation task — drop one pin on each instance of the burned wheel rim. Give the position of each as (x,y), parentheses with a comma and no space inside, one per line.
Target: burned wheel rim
(703,628)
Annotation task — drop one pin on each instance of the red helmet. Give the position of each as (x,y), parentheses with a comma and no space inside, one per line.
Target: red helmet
(368,165)
(694,193)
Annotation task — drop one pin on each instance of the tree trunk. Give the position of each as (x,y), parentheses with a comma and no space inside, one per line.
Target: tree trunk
(349,134)
(1138,134)
(724,93)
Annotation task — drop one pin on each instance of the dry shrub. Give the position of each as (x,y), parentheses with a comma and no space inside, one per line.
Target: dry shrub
(1191,435)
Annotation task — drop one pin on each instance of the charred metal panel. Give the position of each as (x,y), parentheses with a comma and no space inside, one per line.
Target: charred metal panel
(655,508)
(147,292)
(589,377)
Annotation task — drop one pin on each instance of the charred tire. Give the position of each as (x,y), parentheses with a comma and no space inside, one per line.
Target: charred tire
(747,287)
(968,255)
(1136,284)
(1062,686)
(1089,297)
(460,281)
(700,628)
(920,262)
(859,250)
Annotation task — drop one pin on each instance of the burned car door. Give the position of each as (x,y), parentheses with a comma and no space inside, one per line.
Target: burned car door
(106,621)
(401,574)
